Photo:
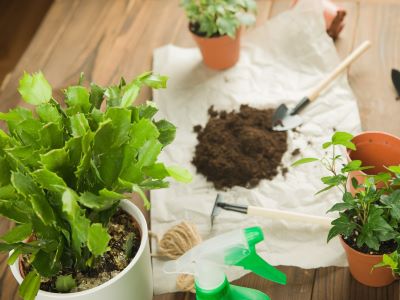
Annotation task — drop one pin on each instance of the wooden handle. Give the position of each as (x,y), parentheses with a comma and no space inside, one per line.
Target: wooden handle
(335,73)
(275,214)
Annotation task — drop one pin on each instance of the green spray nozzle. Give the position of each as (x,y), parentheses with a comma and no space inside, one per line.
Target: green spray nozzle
(208,260)
(251,261)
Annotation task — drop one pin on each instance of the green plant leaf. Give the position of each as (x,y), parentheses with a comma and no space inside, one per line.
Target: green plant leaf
(49,113)
(51,136)
(325,189)
(76,218)
(167,132)
(30,286)
(334,180)
(65,283)
(155,81)
(34,88)
(392,201)
(49,180)
(304,161)
(17,234)
(394,169)
(342,225)
(79,124)
(77,99)
(11,211)
(105,200)
(340,207)
(98,239)
(96,95)
(326,145)
(344,139)
(179,174)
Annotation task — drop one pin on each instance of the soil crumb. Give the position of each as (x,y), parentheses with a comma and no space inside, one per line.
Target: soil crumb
(239,148)
(124,244)
(296,152)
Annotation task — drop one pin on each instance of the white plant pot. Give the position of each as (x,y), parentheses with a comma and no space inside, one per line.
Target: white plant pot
(135,282)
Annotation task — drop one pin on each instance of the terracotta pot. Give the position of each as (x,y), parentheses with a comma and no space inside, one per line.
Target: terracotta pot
(361,264)
(374,148)
(219,52)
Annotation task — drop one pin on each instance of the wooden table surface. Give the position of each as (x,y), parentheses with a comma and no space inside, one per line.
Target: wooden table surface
(109,38)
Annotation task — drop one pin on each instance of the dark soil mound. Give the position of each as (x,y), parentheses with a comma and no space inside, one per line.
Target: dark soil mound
(239,148)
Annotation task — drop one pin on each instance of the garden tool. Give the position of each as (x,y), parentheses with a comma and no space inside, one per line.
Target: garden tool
(396,81)
(285,118)
(271,214)
(208,260)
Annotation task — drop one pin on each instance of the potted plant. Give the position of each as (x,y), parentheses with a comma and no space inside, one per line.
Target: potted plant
(368,222)
(374,148)
(216,26)
(65,171)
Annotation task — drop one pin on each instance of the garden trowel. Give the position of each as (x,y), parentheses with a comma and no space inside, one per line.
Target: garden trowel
(285,118)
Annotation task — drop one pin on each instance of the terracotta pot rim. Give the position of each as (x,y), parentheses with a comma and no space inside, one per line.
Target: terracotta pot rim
(213,37)
(367,133)
(358,252)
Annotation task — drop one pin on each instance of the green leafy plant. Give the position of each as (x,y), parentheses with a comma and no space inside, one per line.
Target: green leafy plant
(391,261)
(371,215)
(64,170)
(219,17)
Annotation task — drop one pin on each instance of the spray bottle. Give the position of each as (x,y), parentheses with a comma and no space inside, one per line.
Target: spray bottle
(208,260)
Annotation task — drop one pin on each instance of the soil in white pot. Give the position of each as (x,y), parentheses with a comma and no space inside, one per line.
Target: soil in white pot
(124,244)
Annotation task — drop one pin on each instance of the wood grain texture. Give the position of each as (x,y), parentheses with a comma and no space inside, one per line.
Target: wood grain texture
(332,283)
(18,23)
(107,38)
(370,76)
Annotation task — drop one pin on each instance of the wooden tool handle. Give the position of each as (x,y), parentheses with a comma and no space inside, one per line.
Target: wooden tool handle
(335,73)
(275,214)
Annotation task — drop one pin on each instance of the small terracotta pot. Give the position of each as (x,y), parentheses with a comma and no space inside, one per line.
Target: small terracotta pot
(361,265)
(220,52)
(374,148)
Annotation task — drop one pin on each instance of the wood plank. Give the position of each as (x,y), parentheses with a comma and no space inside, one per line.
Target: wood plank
(18,24)
(370,75)
(337,283)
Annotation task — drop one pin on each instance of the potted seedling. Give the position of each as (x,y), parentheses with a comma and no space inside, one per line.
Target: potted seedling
(216,27)
(65,172)
(368,222)
(374,148)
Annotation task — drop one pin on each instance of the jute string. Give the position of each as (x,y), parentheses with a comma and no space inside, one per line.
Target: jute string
(176,242)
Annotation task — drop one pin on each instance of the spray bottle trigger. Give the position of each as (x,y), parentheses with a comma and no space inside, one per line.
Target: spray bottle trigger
(250,260)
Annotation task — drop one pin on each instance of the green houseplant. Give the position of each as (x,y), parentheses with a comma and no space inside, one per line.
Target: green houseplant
(215,25)
(64,172)
(368,222)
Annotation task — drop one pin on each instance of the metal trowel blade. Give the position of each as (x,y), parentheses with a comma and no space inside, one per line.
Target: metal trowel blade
(283,120)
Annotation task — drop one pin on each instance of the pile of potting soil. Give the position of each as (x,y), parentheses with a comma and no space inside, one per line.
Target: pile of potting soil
(239,148)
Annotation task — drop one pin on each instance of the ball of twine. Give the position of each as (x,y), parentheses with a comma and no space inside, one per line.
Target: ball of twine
(176,242)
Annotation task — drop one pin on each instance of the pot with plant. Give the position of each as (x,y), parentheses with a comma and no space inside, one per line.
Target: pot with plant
(65,172)
(216,28)
(368,222)
(374,148)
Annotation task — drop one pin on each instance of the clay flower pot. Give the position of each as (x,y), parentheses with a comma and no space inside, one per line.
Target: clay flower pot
(374,148)
(133,283)
(220,52)
(361,268)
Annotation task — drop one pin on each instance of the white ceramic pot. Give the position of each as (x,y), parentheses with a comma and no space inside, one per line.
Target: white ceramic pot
(135,282)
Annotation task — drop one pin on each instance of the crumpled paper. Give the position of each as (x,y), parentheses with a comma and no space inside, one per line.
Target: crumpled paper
(279,63)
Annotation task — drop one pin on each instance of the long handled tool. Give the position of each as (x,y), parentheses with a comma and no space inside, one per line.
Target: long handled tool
(285,118)
(272,214)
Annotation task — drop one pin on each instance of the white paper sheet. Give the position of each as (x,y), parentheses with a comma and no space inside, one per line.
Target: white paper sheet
(280,62)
